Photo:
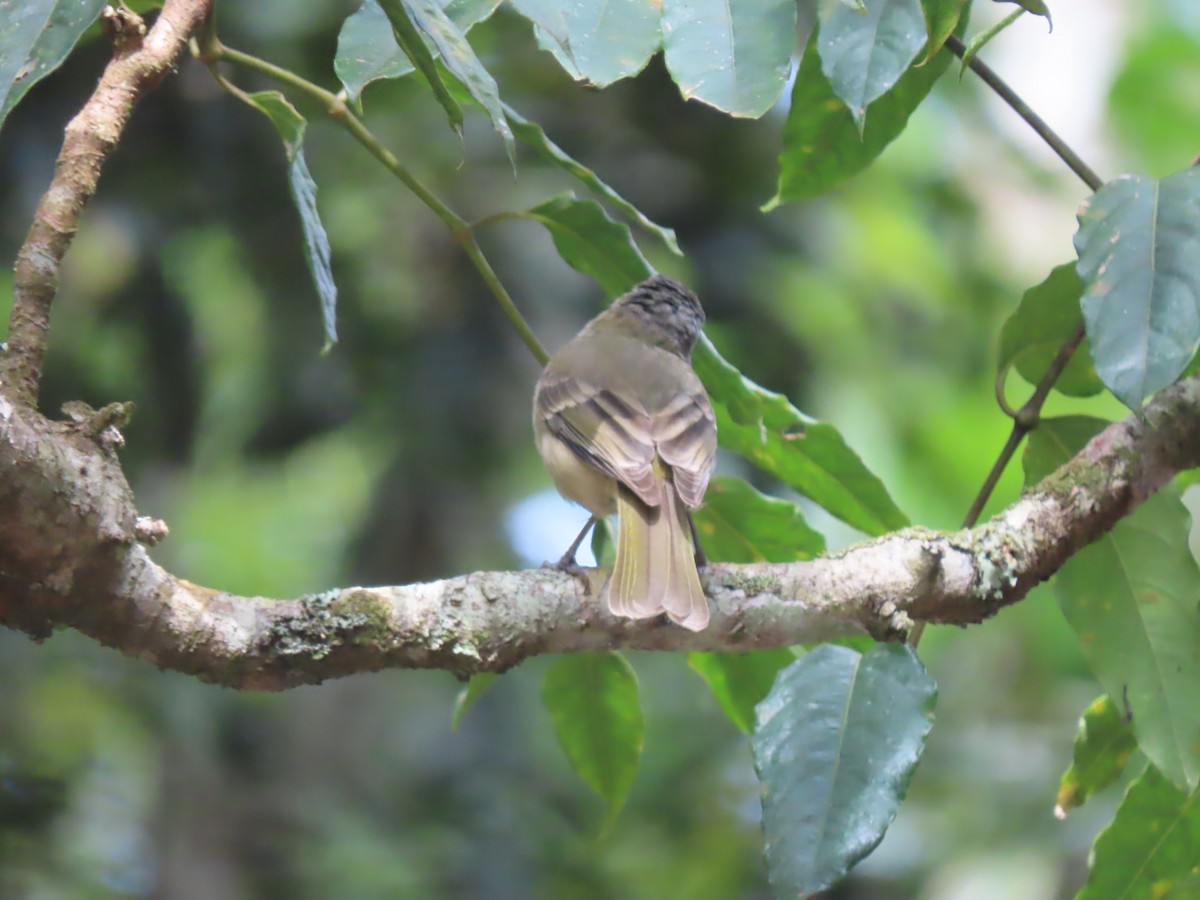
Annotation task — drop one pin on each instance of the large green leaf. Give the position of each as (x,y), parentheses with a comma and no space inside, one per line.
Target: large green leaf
(1131,599)
(1047,317)
(290,125)
(592,242)
(739,524)
(599,41)
(740,681)
(1103,746)
(1139,258)
(367,50)
(1151,849)
(532,134)
(734,56)
(809,456)
(35,37)
(592,699)
(822,145)
(863,54)
(836,742)
(941,18)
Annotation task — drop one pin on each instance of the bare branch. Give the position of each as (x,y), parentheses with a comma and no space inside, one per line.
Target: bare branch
(70,555)
(137,65)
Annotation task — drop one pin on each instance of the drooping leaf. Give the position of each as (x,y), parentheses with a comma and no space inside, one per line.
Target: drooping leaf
(290,125)
(532,134)
(822,145)
(739,524)
(1131,599)
(471,691)
(412,40)
(1047,318)
(1139,258)
(591,242)
(941,18)
(1103,746)
(864,54)
(836,743)
(600,41)
(1037,7)
(35,37)
(1149,850)
(740,681)
(592,699)
(367,50)
(734,56)
(809,456)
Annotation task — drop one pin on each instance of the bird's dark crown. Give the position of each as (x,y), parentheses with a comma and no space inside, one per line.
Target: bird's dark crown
(671,312)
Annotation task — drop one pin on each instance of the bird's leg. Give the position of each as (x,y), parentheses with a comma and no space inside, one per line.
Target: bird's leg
(700,556)
(566,562)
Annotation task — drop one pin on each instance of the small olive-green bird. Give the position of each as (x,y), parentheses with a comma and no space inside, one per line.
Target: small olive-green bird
(624,425)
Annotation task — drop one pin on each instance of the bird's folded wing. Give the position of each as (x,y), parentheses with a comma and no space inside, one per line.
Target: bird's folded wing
(685,432)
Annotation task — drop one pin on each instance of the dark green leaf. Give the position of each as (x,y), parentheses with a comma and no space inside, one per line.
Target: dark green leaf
(532,134)
(1150,850)
(864,54)
(738,524)
(821,142)
(837,740)
(1131,599)
(367,50)
(593,701)
(1047,318)
(471,692)
(599,41)
(941,18)
(740,681)
(1102,749)
(809,456)
(35,37)
(734,56)
(412,40)
(290,125)
(1139,258)
(592,242)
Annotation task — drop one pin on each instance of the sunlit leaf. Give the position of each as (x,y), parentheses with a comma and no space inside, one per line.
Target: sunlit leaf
(471,692)
(1131,598)
(863,54)
(1139,258)
(740,681)
(1103,746)
(592,699)
(290,125)
(836,743)
(35,37)
(734,56)
(739,524)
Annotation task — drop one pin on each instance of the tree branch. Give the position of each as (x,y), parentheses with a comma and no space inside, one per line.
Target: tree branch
(69,556)
(138,64)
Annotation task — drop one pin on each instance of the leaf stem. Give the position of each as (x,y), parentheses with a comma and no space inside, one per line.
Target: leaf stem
(335,106)
(1022,109)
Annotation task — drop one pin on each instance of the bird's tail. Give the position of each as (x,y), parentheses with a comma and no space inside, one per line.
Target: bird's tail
(655,571)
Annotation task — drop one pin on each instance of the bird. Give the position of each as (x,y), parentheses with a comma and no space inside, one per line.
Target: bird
(624,424)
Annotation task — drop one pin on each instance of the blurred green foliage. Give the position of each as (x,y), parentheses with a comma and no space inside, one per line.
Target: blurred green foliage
(876,307)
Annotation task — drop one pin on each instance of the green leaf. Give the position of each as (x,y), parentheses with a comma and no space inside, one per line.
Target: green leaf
(941,18)
(809,456)
(471,691)
(367,50)
(822,145)
(733,56)
(35,37)
(290,125)
(836,743)
(1131,599)
(984,37)
(412,41)
(740,681)
(738,524)
(1037,7)
(592,699)
(864,54)
(533,135)
(1047,317)
(1102,749)
(1150,848)
(588,240)
(607,39)
(1139,258)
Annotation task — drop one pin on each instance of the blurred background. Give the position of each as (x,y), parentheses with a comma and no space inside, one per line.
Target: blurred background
(406,454)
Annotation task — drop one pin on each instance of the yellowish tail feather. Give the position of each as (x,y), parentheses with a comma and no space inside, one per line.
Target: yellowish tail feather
(655,571)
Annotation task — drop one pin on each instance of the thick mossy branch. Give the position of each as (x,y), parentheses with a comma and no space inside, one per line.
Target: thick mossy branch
(70,555)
